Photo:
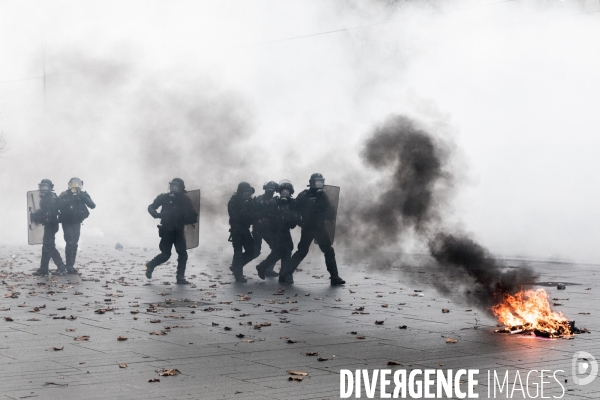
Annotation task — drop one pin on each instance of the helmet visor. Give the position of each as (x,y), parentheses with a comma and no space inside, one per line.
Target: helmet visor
(75,183)
(319,183)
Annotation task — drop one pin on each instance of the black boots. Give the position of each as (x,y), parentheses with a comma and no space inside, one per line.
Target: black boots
(41,271)
(71,270)
(61,270)
(336,281)
(331,264)
(182,281)
(149,271)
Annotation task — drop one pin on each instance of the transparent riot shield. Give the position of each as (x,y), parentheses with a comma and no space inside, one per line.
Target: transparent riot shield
(192,231)
(333,195)
(35,232)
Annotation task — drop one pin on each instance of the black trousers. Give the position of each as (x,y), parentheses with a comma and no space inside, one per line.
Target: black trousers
(243,249)
(168,240)
(306,238)
(49,250)
(258,237)
(281,249)
(71,231)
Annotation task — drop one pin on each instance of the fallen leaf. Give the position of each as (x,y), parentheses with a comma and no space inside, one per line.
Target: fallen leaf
(298,373)
(154,380)
(291,341)
(82,338)
(248,341)
(70,330)
(379,322)
(8,319)
(450,340)
(122,365)
(155,321)
(445,310)
(402,327)
(392,362)
(169,372)
(384,305)
(121,338)
(58,348)
(158,333)
(296,378)
(312,353)
(361,337)
(322,359)
(240,335)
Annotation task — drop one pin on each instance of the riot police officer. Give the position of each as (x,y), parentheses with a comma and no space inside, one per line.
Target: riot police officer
(176,211)
(282,217)
(73,204)
(315,208)
(241,217)
(47,215)
(261,229)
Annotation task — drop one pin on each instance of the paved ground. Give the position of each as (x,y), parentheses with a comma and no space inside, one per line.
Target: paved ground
(202,327)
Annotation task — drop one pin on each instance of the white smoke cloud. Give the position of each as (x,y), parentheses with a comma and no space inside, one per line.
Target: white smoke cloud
(514,83)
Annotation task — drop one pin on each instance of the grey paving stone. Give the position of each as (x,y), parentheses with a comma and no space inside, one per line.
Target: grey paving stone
(215,364)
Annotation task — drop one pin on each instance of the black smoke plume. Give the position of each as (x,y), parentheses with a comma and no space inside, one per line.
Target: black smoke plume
(415,196)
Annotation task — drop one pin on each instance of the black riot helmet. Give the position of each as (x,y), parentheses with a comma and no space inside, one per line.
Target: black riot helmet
(271,185)
(245,190)
(46,184)
(316,181)
(270,188)
(285,189)
(177,185)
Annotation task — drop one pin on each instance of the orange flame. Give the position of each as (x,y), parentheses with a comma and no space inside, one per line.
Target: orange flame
(529,311)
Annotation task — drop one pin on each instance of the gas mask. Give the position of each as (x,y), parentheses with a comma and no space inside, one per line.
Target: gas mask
(175,187)
(285,194)
(75,185)
(247,194)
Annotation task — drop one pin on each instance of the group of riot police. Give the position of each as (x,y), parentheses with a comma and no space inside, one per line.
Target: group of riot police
(271,218)
(70,208)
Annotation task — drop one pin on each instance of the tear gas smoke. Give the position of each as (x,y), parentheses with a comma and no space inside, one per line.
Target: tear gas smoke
(414,197)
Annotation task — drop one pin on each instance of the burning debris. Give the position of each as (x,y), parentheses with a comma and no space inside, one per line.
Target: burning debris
(528,311)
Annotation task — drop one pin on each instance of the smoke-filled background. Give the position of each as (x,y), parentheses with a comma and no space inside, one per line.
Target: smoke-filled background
(128,95)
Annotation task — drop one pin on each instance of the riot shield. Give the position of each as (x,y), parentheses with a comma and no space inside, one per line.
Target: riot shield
(333,195)
(35,232)
(192,231)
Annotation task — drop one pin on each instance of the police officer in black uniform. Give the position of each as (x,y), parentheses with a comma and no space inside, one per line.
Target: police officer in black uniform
(282,218)
(176,211)
(315,208)
(47,215)
(241,217)
(73,204)
(261,229)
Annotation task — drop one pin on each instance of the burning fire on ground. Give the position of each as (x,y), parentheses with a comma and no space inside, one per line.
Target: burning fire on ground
(528,311)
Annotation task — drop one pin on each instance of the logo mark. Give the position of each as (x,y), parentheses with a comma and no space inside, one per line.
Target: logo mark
(584,368)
